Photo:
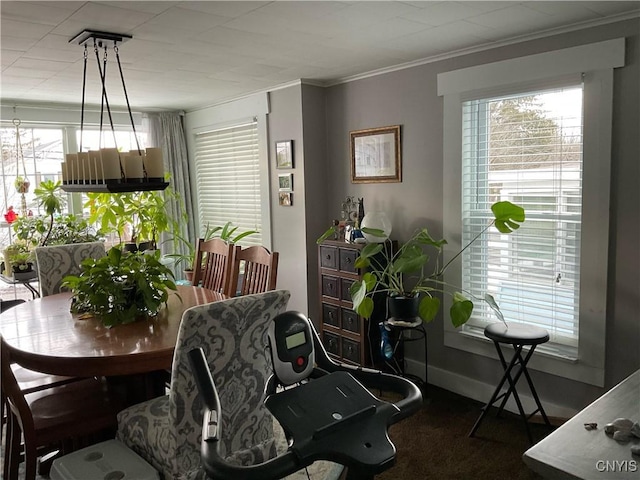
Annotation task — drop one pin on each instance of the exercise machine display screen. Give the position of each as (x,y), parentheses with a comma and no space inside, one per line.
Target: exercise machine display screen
(295,340)
(291,344)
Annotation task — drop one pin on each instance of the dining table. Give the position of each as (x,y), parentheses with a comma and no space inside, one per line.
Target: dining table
(45,336)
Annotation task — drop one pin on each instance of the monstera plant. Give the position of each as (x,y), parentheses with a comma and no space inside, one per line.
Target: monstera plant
(402,275)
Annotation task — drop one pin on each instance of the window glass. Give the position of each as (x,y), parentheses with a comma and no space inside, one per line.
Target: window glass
(228,176)
(525,148)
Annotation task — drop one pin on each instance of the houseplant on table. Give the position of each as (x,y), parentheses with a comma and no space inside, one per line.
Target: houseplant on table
(401,274)
(121,287)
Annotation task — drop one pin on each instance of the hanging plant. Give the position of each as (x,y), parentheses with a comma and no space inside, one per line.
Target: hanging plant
(22,184)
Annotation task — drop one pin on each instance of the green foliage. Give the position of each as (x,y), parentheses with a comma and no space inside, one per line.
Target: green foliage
(121,287)
(226,233)
(391,272)
(19,254)
(66,229)
(49,197)
(138,216)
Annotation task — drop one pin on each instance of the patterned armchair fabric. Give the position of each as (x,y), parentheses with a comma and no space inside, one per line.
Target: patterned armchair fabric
(56,262)
(166,431)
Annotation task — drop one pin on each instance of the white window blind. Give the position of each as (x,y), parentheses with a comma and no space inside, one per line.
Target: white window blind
(228,179)
(526,148)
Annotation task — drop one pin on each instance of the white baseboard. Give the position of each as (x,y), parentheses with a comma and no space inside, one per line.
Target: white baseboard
(481,391)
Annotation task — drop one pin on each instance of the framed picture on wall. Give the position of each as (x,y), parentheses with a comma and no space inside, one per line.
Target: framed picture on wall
(285,182)
(284,154)
(285,199)
(376,155)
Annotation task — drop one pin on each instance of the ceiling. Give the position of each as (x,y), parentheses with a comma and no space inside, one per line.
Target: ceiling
(185,55)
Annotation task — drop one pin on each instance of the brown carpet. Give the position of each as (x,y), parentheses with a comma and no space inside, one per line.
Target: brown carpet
(434,443)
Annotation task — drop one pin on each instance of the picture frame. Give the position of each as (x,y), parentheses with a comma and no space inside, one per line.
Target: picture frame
(376,155)
(284,154)
(285,199)
(285,182)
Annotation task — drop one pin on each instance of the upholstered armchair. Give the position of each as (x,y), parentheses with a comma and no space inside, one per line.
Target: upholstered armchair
(166,431)
(56,262)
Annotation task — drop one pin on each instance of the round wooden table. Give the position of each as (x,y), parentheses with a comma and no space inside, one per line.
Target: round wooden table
(44,336)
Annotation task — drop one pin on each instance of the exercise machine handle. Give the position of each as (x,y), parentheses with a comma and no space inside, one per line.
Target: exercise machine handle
(213,462)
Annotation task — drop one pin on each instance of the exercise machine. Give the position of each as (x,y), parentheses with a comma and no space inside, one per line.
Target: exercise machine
(325,408)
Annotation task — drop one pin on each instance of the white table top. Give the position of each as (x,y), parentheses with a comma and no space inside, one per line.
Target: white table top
(573,452)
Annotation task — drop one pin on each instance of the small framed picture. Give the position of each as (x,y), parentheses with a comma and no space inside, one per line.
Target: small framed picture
(285,182)
(284,154)
(285,199)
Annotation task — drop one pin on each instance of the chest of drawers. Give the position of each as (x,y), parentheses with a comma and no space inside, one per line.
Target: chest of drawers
(345,335)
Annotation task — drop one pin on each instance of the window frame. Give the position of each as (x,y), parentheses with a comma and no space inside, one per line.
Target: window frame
(595,62)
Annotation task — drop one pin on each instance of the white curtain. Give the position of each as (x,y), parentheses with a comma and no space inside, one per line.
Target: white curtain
(166,130)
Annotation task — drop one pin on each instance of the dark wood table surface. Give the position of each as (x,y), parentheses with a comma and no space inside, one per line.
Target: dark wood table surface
(46,337)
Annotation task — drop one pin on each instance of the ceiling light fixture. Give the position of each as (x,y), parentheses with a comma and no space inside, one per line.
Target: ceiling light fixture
(109,169)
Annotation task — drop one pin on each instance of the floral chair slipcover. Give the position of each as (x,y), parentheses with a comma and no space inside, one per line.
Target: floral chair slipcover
(166,431)
(56,262)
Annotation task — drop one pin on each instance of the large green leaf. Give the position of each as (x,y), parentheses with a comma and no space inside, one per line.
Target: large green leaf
(461,309)
(494,306)
(428,309)
(508,216)
(330,232)
(424,238)
(365,309)
(370,250)
(410,260)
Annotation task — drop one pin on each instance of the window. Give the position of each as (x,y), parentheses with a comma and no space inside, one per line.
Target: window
(536,131)
(42,152)
(525,148)
(228,178)
(43,149)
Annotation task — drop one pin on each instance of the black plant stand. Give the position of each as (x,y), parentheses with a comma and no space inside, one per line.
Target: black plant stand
(399,330)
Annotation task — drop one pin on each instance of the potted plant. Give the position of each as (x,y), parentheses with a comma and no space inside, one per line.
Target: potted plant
(138,218)
(18,259)
(22,184)
(401,274)
(51,200)
(121,287)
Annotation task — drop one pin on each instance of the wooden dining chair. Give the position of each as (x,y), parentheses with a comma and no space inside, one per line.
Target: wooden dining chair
(52,416)
(259,269)
(29,381)
(212,264)
(57,261)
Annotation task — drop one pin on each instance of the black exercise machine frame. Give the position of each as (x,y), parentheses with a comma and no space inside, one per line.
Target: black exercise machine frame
(375,414)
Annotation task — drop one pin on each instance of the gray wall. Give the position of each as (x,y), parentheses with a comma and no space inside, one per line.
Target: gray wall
(298,113)
(408,97)
(287,223)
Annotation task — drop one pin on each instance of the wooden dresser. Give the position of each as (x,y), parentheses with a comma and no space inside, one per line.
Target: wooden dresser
(345,335)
